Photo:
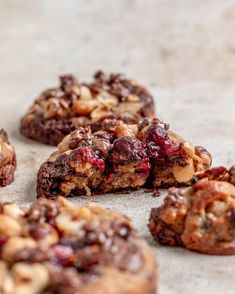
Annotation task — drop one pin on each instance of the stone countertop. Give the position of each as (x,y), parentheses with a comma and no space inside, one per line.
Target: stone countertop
(183,50)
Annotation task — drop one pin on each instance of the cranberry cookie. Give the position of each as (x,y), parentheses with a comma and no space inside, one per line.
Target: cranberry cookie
(201,218)
(56,247)
(59,111)
(117,157)
(7,160)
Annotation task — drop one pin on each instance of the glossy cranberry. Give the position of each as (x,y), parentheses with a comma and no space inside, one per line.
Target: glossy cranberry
(85,155)
(156,133)
(127,149)
(217,172)
(159,145)
(144,166)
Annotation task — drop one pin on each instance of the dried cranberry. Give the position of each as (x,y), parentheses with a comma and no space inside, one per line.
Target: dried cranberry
(144,166)
(126,149)
(39,231)
(160,146)
(3,240)
(219,173)
(85,155)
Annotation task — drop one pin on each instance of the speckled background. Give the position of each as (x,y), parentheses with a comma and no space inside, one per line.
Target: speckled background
(183,50)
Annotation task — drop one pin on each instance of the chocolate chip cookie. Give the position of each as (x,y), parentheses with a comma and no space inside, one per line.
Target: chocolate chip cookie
(59,111)
(117,157)
(7,160)
(56,247)
(200,218)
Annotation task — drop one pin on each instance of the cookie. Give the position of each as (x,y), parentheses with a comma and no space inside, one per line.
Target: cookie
(59,111)
(218,173)
(56,247)
(118,157)
(7,160)
(200,218)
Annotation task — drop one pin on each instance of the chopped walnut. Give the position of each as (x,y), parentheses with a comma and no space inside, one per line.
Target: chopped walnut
(9,226)
(72,220)
(26,278)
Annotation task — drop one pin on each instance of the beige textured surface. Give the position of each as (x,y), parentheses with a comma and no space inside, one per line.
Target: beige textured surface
(184,50)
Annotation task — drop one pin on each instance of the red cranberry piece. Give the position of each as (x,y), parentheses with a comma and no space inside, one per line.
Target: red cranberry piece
(85,155)
(3,240)
(61,252)
(127,149)
(159,145)
(144,166)
(217,172)
(157,134)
